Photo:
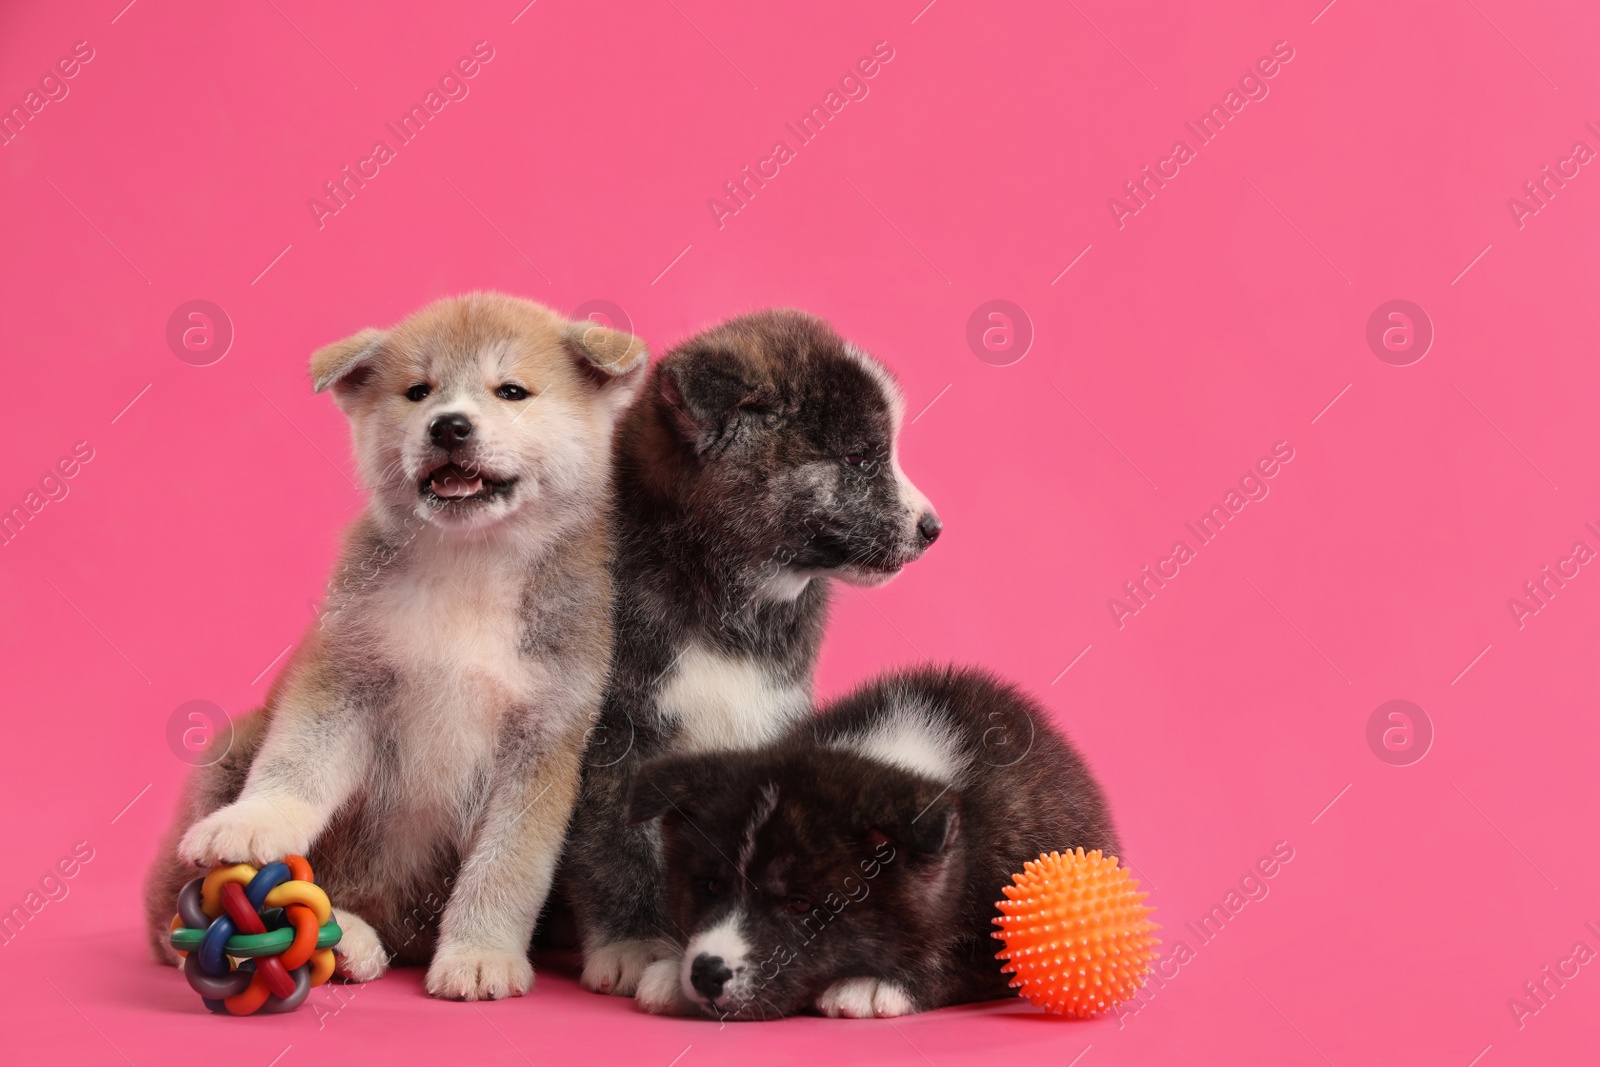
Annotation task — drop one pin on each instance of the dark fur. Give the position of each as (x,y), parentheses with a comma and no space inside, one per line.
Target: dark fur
(733,468)
(940,854)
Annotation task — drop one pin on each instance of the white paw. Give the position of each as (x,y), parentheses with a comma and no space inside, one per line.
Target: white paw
(660,990)
(479,974)
(864,998)
(616,968)
(247,831)
(361,956)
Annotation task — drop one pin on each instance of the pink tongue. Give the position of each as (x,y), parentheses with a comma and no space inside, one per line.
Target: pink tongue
(453,486)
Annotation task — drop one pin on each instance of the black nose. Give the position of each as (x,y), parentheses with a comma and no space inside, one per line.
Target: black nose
(447,431)
(708,974)
(929,527)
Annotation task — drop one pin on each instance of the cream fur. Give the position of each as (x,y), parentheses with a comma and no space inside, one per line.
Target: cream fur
(447,689)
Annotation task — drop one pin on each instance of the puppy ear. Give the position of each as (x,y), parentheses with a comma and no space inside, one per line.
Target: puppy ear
(936,830)
(612,361)
(927,822)
(703,393)
(346,364)
(662,785)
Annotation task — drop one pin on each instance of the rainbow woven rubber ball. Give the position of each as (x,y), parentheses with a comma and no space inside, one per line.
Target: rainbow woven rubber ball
(255,941)
(1077,933)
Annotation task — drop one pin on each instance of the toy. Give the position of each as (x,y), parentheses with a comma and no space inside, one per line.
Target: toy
(255,940)
(1077,933)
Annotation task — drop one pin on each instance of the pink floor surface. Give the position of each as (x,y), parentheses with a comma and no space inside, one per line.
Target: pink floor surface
(1172,318)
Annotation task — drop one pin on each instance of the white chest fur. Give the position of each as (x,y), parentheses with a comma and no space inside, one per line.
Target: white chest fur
(721,702)
(449,631)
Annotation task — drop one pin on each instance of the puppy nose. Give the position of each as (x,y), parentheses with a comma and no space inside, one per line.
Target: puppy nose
(450,430)
(928,528)
(708,974)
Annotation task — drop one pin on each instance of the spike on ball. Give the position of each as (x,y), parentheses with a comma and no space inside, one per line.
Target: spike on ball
(1077,933)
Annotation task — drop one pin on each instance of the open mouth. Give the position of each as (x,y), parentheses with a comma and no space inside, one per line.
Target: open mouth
(453,486)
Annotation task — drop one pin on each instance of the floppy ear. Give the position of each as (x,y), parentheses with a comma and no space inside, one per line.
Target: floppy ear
(346,364)
(704,392)
(613,361)
(928,821)
(666,784)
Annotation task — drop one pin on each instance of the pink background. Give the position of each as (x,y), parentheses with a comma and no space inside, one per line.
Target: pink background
(1222,318)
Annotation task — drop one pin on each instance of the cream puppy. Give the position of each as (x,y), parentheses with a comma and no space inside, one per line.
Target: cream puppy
(423,746)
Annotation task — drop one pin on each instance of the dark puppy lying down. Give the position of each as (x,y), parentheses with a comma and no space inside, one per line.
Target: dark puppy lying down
(853,866)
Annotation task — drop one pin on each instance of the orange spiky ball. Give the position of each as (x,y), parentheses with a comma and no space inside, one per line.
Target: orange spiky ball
(1077,933)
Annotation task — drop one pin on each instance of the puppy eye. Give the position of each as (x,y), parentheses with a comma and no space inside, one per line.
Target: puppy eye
(418,392)
(855,459)
(511,391)
(797,906)
(712,887)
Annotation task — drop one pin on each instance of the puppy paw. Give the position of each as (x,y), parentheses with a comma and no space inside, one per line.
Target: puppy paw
(247,831)
(864,998)
(360,955)
(616,968)
(479,974)
(660,992)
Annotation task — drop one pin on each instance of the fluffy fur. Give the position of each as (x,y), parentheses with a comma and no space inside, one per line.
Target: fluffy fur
(851,868)
(759,463)
(423,746)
